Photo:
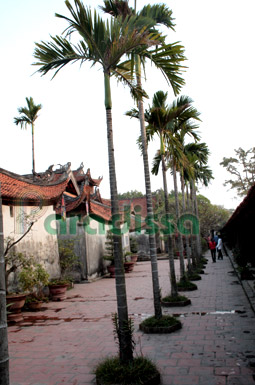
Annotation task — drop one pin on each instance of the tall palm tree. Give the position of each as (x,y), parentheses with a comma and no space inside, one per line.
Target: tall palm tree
(104,44)
(197,154)
(181,124)
(185,169)
(167,60)
(4,357)
(29,115)
(157,118)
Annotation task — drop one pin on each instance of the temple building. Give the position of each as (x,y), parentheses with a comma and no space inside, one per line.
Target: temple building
(62,204)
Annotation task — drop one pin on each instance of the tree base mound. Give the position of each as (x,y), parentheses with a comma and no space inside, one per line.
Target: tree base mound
(141,371)
(174,301)
(186,285)
(166,324)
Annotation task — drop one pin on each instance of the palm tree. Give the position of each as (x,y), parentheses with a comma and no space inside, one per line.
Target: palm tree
(177,127)
(157,118)
(4,357)
(168,60)
(197,154)
(29,115)
(104,44)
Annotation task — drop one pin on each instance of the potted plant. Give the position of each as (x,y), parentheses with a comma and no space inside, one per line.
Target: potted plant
(13,262)
(128,263)
(33,279)
(15,298)
(68,261)
(109,254)
(133,249)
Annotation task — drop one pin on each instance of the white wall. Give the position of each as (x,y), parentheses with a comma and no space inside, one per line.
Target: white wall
(38,243)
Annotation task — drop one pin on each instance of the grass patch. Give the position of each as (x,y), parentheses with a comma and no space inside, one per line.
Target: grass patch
(186,284)
(164,321)
(194,276)
(137,372)
(177,298)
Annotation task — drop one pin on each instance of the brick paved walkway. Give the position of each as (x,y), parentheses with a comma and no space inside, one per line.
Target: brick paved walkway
(216,345)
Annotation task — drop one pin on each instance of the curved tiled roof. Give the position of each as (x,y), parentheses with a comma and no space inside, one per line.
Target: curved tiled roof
(100,210)
(15,188)
(81,177)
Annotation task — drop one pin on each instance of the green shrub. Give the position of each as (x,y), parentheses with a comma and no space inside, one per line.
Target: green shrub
(136,372)
(164,321)
(176,298)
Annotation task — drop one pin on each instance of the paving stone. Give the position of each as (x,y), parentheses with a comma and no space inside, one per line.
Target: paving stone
(216,345)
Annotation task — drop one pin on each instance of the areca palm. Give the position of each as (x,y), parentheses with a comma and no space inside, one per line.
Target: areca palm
(180,117)
(198,154)
(168,60)
(104,44)
(29,115)
(158,117)
(183,125)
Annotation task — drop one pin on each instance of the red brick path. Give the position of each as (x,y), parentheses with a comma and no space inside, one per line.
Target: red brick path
(216,346)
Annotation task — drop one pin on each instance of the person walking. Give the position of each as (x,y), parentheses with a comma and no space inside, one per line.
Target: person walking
(216,238)
(212,247)
(219,248)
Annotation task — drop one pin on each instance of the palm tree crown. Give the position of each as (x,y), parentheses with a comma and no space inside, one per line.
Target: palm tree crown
(29,115)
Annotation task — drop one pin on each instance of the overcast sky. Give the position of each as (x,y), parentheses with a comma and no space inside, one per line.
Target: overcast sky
(218,37)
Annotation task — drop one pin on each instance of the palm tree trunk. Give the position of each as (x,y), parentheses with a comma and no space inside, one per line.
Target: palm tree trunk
(177,210)
(194,242)
(124,335)
(174,288)
(184,210)
(4,356)
(193,251)
(198,243)
(33,150)
(152,240)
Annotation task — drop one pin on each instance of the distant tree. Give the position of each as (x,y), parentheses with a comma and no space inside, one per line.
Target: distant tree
(242,167)
(131,194)
(211,216)
(28,115)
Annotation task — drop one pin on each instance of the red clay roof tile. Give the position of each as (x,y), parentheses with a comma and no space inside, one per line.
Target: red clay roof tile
(15,188)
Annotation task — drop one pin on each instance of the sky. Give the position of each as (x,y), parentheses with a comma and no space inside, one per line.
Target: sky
(218,37)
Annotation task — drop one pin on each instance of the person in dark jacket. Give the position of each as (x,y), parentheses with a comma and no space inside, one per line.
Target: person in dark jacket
(212,247)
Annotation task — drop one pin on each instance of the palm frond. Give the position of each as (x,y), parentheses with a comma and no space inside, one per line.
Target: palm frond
(159,99)
(55,54)
(23,121)
(126,78)
(160,13)
(168,59)
(156,163)
(133,113)
(117,8)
